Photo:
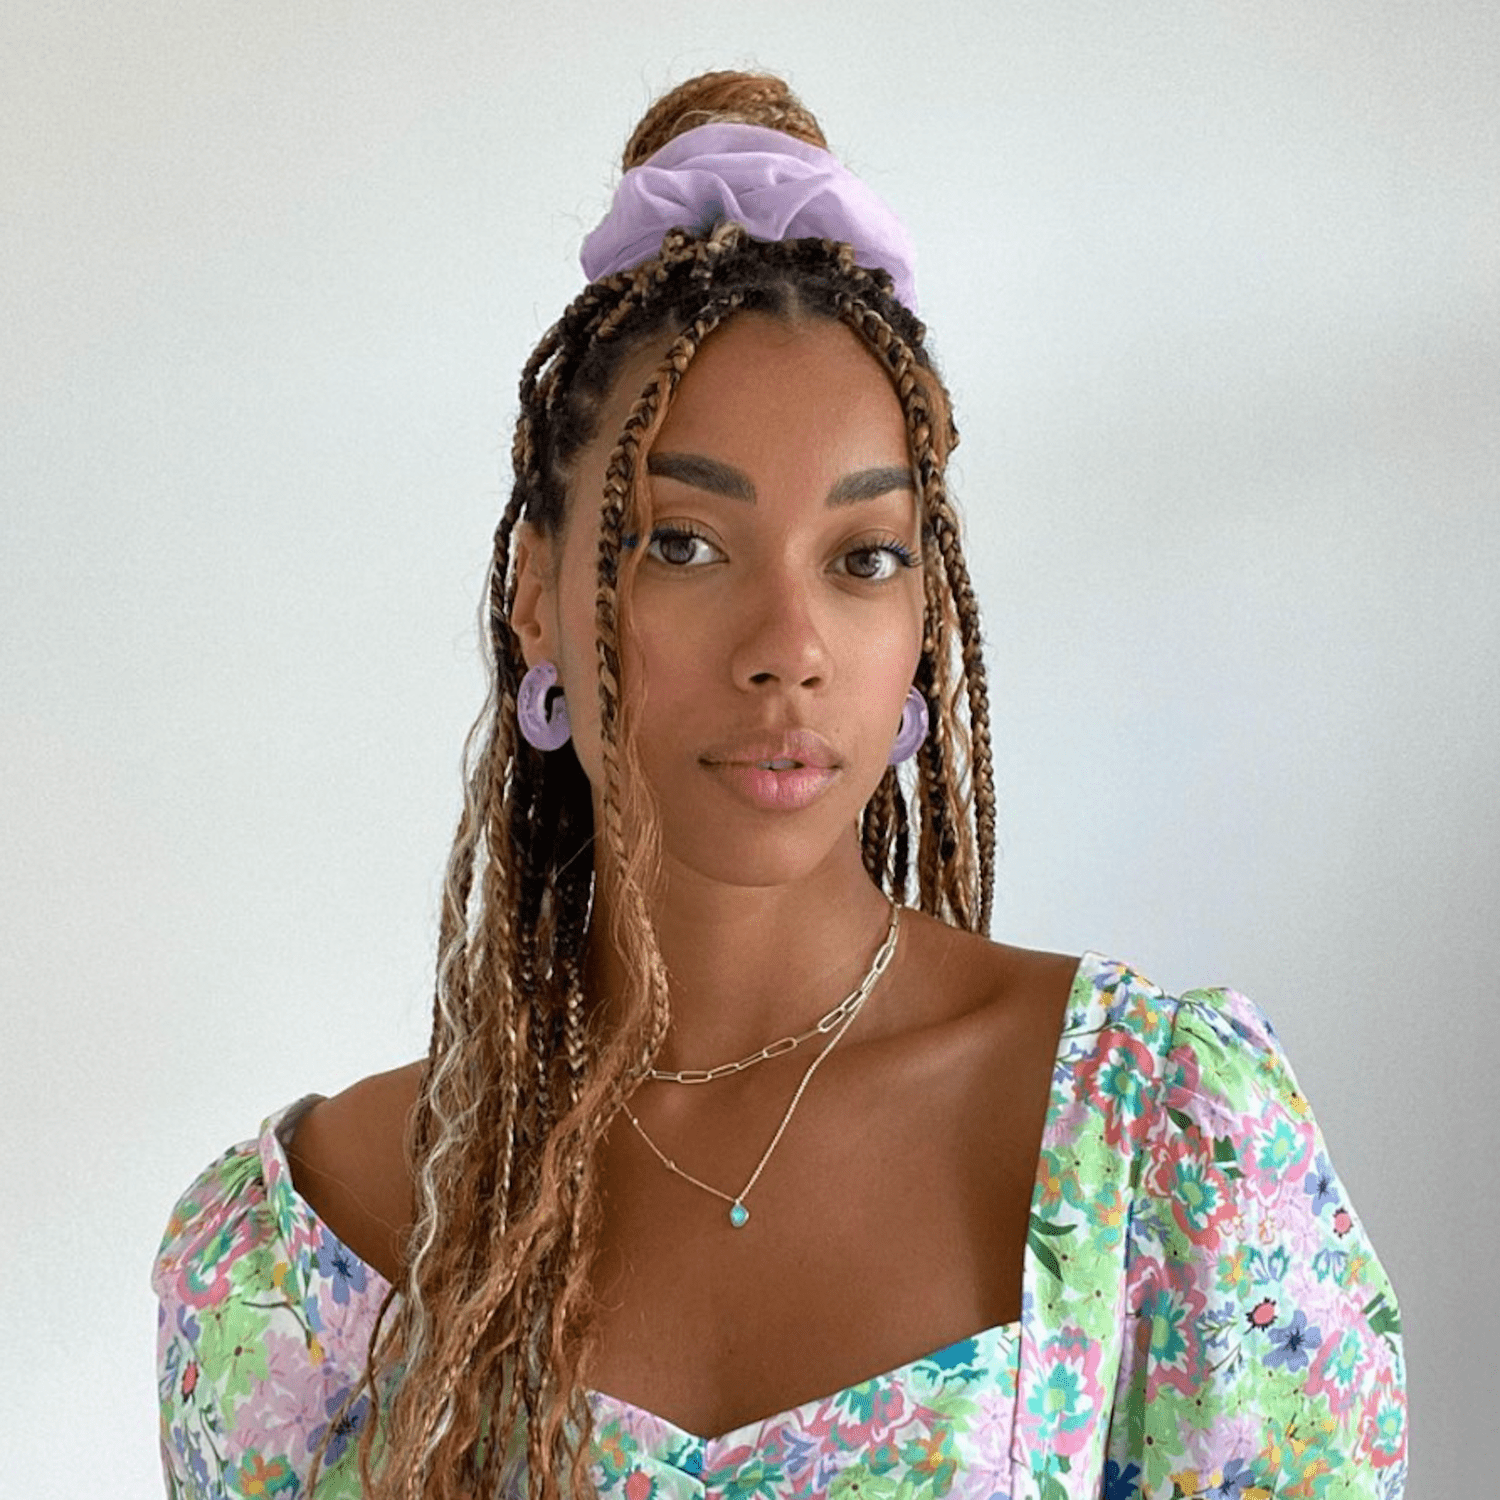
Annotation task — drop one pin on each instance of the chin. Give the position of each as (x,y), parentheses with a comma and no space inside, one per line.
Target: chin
(754,850)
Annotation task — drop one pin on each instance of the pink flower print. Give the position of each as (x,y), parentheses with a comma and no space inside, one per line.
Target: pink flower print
(1343,1222)
(1281,1149)
(204,1270)
(1293,1229)
(862,1415)
(1186,1175)
(1180,1078)
(1383,1434)
(290,1414)
(1171,1309)
(989,1432)
(289,1361)
(1061,1397)
(1338,1370)
(1225,1445)
(639,1485)
(1117,1076)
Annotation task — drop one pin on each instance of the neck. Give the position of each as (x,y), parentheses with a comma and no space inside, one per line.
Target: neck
(749,964)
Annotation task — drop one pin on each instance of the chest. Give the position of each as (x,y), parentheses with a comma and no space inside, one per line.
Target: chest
(888,1223)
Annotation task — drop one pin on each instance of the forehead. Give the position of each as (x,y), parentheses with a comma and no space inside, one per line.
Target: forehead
(760,383)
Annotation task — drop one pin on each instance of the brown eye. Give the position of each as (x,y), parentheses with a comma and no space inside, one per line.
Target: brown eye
(881,561)
(676,546)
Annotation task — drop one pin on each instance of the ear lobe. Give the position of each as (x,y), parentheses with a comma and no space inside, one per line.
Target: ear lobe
(534,609)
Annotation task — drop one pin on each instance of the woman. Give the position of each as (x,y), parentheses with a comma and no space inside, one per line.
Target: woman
(726,1169)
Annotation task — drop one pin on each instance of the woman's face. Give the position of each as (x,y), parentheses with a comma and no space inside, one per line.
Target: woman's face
(772,597)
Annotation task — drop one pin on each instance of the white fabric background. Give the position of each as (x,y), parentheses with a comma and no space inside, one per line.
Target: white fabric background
(1217,288)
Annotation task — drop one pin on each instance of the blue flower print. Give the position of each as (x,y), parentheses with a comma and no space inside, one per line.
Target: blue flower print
(199,1465)
(1320,1184)
(187,1324)
(1293,1342)
(346,1424)
(1235,1480)
(342,1267)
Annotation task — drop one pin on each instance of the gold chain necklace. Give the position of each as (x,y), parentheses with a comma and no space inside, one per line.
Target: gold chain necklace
(821,1027)
(845,1011)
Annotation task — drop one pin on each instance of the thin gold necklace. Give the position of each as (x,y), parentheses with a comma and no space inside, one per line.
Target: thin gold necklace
(848,1010)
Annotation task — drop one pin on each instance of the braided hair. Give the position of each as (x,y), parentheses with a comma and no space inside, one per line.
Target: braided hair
(481,1364)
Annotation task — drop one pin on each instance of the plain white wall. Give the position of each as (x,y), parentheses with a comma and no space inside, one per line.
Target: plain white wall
(1218,291)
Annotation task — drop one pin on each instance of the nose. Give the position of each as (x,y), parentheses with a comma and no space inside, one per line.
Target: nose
(777,637)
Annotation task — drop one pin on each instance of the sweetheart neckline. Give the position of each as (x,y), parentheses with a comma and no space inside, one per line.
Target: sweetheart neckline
(1001,1334)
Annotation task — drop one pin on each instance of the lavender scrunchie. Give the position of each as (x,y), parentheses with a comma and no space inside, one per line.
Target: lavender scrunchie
(778,187)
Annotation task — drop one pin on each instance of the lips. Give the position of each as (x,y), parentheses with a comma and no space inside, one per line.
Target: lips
(788,749)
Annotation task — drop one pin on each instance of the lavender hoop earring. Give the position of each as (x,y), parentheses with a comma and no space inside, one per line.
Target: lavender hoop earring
(539,729)
(913,728)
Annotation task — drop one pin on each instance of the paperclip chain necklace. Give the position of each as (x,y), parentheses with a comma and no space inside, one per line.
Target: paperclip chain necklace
(821,1027)
(846,1012)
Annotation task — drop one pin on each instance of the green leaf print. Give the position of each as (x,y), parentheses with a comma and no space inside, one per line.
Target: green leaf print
(1035,1232)
(1046,1226)
(1384,1318)
(858,1483)
(1045,1256)
(233,1341)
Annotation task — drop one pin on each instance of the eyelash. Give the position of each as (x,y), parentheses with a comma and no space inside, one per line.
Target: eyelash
(903,554)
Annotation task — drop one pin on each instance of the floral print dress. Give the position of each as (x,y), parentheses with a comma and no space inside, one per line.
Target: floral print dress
(1202,1318)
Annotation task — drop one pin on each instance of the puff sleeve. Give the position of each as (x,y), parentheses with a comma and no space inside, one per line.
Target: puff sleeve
(263,1319)
(1262,1353)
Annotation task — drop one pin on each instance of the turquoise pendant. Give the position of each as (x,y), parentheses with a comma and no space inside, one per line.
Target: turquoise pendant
(738,1215)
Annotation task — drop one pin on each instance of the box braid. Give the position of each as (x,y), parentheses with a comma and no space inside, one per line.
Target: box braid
(484,1360)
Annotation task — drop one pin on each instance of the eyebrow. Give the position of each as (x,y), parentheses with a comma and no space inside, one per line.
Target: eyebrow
(721,479)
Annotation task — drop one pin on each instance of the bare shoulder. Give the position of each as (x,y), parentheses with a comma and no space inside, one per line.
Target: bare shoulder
(349,1164)
(966,976)
(982,1022)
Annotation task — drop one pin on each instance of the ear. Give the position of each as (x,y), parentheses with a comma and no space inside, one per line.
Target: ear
(534,615)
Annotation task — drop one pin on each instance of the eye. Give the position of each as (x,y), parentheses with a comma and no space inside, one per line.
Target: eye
(888,557)
(677,547)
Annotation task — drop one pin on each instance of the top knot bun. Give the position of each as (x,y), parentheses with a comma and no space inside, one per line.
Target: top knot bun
(744,98)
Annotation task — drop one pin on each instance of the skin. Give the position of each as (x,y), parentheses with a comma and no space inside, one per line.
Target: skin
(892,1218)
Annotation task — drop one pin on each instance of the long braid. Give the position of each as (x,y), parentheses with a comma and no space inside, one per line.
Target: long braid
(947,861)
